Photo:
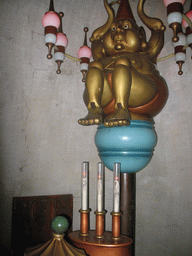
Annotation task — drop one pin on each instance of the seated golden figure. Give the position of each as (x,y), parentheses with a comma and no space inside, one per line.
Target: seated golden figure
(122,82)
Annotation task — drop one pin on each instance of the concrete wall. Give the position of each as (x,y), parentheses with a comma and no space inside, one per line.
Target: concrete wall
(42,145)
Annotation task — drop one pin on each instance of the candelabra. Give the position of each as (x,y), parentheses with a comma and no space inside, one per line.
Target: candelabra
(55,38)
(181,40)
(177,20)
(100,242)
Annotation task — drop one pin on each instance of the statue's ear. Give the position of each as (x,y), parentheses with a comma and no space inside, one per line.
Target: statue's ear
(97,49)
(142,35)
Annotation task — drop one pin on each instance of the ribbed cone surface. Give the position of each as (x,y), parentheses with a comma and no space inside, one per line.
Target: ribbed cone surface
(124,11)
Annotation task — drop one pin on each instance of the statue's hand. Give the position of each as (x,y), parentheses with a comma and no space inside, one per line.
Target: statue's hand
(154,24)
(158,25)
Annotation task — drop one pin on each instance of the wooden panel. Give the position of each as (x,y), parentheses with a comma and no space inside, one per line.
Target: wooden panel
(32,216)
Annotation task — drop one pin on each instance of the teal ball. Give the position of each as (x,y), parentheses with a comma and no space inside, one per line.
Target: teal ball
(59,225)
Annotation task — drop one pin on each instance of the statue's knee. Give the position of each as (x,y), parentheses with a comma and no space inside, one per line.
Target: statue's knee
(123,61)
(96,64)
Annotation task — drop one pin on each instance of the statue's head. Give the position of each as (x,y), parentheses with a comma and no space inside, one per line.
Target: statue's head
(118,34)
(123,36)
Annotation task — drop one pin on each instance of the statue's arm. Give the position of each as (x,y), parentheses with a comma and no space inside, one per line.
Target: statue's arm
(97,49)
(157,28)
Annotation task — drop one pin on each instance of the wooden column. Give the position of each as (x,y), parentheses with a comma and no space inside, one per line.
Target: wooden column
(128,206)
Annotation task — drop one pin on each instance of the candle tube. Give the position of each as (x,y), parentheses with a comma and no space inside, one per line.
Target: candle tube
(100,187)
(116,187)
(84,186)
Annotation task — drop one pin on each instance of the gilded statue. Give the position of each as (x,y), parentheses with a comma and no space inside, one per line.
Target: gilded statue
(122,82)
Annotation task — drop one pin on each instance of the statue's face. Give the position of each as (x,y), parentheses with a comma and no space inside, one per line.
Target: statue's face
(123,36)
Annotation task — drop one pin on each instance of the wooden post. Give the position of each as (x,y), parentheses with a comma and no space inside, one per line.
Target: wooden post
(128,206)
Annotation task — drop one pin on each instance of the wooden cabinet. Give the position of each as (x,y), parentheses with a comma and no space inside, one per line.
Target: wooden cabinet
(32,216)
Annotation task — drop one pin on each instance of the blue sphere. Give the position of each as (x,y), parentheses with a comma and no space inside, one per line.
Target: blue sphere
(132,145)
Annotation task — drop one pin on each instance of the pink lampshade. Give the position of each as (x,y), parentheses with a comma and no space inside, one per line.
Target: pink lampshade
(61,40)
(167,2)
(51,19)
(84,52)
(189,15)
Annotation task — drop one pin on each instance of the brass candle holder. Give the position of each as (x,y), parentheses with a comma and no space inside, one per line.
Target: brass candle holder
(84,222)
(100,224)
(116,225)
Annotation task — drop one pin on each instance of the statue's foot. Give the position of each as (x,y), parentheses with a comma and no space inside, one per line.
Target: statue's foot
(121,117)
(94,116)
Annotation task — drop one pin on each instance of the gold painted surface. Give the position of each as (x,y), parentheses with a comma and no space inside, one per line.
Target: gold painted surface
(120,48)
(54,247)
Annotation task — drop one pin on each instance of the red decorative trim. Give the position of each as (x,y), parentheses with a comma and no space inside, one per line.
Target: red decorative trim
(85,60)
(174,7)
(59,48)
(179,48)
(188,31)
(50,30)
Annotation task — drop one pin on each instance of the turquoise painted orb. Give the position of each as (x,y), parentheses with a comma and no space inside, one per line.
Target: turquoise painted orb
(132,145)
(59,225)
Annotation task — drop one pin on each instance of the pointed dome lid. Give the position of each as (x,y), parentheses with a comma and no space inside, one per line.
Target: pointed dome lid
(124,11)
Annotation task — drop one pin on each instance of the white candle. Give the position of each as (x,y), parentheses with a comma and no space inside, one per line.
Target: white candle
(84,186)
(116,187)
(100,187)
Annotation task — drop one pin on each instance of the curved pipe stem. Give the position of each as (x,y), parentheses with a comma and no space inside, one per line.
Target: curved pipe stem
(98,33)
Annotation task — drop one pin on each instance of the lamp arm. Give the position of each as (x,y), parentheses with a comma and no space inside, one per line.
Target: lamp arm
(189,22)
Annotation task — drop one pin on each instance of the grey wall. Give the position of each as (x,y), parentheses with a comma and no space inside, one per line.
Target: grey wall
(42,145)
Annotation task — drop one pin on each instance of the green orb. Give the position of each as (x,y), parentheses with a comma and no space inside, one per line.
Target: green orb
(59,225)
